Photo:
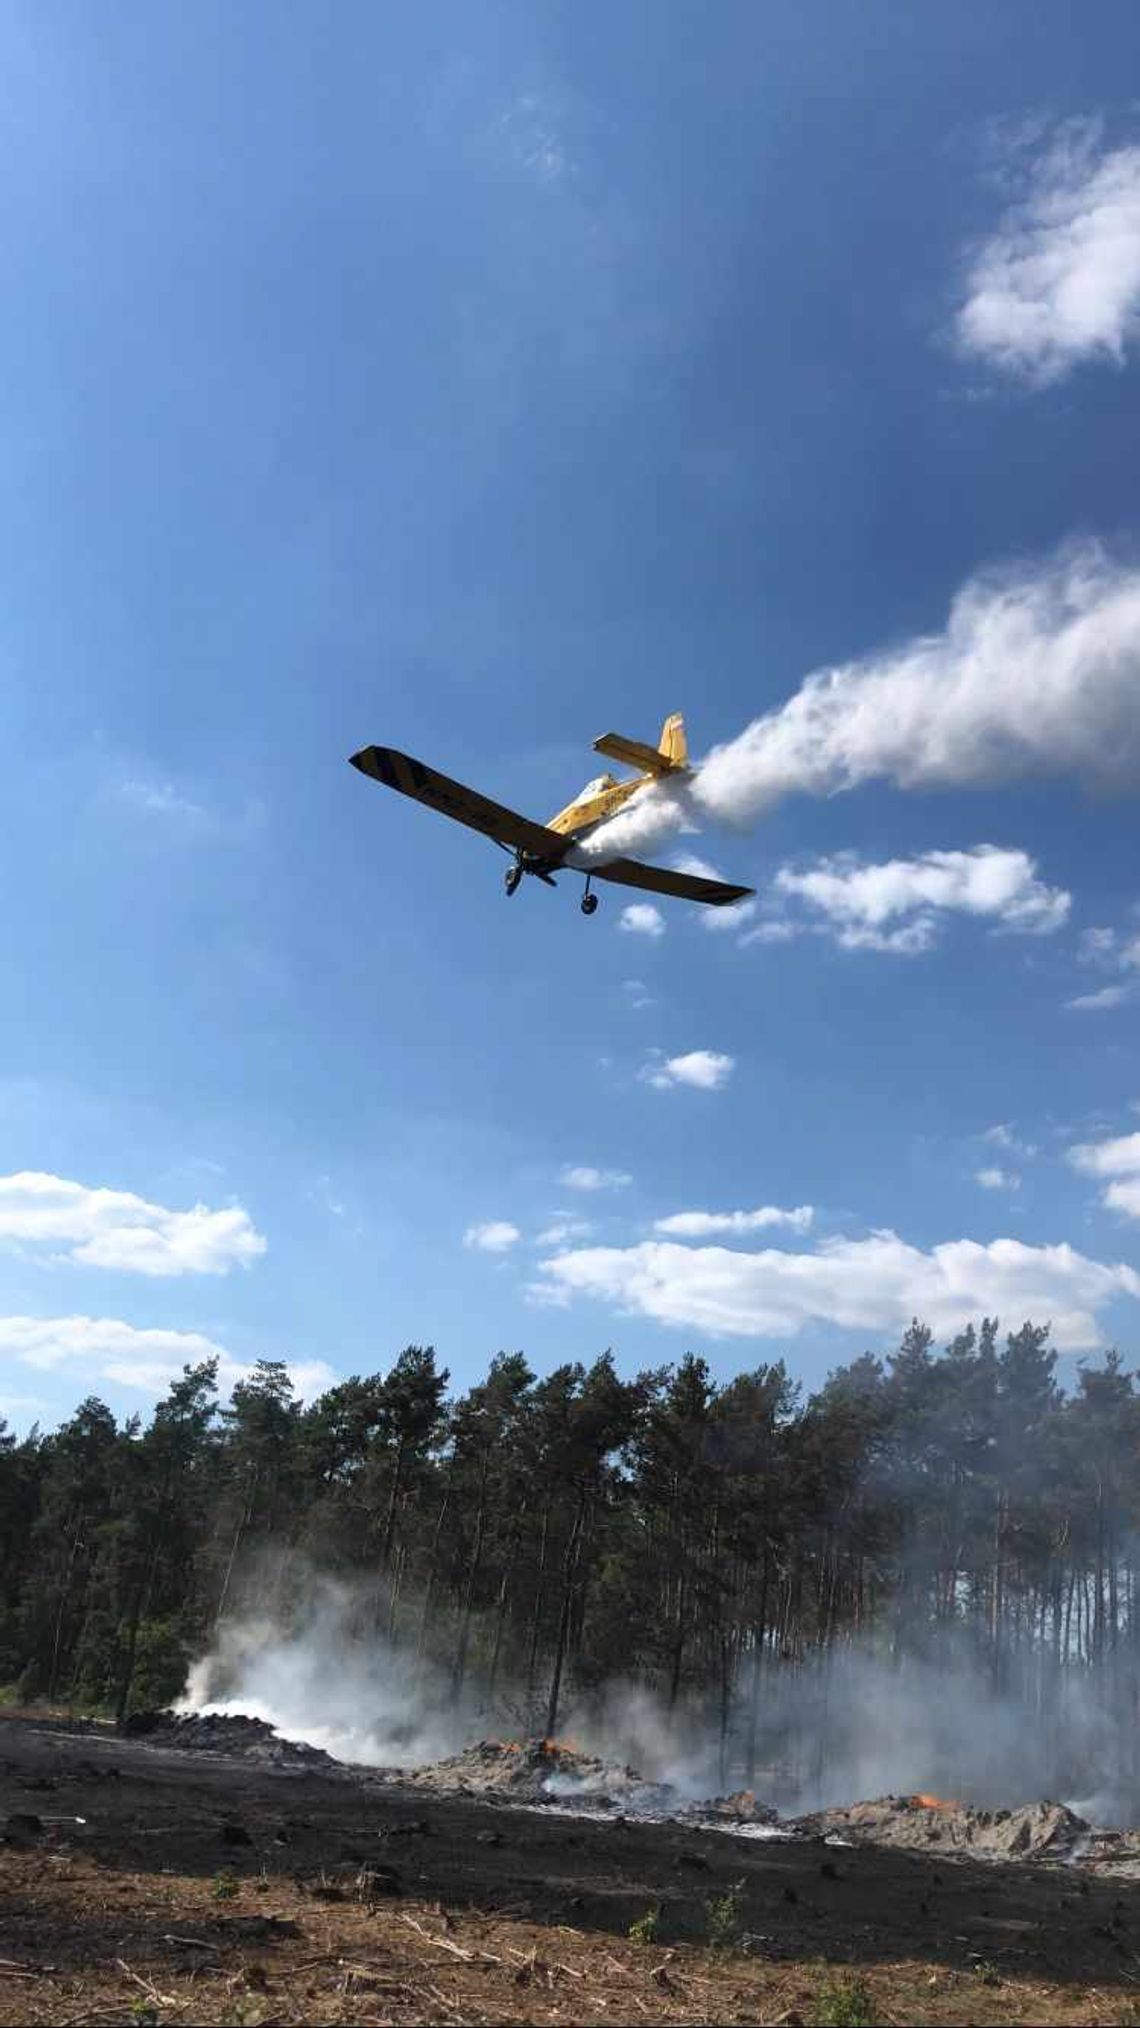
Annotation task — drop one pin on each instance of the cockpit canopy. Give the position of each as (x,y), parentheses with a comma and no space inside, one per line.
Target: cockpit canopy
(597,787)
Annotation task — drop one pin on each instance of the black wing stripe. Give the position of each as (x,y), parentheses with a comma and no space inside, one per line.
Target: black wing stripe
(452,799)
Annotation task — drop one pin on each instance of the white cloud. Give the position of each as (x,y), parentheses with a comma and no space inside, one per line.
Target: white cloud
(562,1229)
(876,1284)
(1059,282)
(1002,1136)
(734,917)
(702,1069)
(116,1229)
(774,929)
(104,1348)
(533,131)
(997,1175)
(1119,1157)
(641,919)
(1035,673)
(1117,1164)
(1109,951)
(898,905)
(495,1235)
(1100,1001)
(581,1176)
(703,1224)
(720,920)
(23,1409)
(1097,944)
(162,799)
(638,993)
(322,1193)
(174,813)
(701,869)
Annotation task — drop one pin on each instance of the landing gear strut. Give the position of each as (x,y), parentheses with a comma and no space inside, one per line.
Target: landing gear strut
(589,901)
(512,878)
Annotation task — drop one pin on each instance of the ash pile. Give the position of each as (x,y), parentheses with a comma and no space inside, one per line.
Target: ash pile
(731,1813)
(927,1823)
(556,1773)
(537,1771)
(229,1733)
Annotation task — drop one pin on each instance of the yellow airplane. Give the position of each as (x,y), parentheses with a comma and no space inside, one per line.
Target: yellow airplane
(543,849)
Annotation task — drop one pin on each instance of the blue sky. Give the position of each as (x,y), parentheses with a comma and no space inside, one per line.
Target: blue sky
(474,381)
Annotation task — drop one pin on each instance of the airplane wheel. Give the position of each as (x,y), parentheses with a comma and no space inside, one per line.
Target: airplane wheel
(513,877)
(589,904)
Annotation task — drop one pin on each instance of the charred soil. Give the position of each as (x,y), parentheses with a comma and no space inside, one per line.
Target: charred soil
(206,1887)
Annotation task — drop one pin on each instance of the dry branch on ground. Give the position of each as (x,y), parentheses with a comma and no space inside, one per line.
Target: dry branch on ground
(120,1944)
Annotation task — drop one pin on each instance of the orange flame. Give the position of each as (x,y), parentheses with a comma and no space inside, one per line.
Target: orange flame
(934,1803)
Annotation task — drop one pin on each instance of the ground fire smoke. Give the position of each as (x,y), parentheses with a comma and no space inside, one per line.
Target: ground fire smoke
(324,1681)
(1035,673)
(829,1730)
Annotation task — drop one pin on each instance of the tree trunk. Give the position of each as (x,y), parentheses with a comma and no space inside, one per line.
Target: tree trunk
(678,1643)
(396,1588)
(501,1603)
(433,1566)
(393,1503)
(473,1567)
(61,1609)
(568,1573)
(235,1545)
(997,1595)
(1098,1590)
(536,1615)
(759,1631)
(725,1702)
(139,1603)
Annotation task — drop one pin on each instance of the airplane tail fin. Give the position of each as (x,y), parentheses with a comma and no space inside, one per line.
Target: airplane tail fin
(673,746)
(669,756)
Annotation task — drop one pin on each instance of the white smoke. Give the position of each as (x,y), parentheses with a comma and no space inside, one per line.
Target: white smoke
(1036,673)
(323,1681)
(852,1722)
(830,1728)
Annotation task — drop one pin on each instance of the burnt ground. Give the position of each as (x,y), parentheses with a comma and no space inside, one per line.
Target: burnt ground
(203,1888)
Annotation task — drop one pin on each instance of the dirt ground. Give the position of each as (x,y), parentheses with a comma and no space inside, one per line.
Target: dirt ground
(201,1889)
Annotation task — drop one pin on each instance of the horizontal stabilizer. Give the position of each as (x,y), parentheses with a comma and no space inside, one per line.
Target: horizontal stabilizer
(636,754)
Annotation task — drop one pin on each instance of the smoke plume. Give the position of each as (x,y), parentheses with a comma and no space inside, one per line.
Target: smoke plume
(318,1677)
(1036,673)
(828,1727)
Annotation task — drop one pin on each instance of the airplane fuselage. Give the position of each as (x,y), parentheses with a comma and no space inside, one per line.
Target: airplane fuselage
(600,799)
(594,805)
(541,849)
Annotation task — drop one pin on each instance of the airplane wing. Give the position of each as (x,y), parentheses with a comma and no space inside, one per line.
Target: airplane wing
(662,880)
(424,785)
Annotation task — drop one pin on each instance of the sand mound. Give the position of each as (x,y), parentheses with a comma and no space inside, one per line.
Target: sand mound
(1035,1831)
(532,1771)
